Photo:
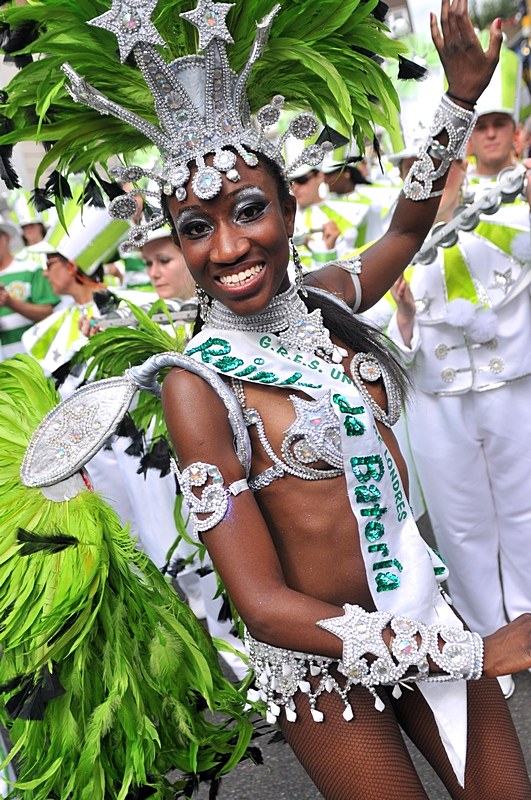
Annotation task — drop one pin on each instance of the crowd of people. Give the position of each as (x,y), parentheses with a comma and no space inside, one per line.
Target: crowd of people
(283,518)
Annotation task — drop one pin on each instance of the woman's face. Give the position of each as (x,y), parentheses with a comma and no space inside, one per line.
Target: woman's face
(237,244)
(167,269)
(60,274)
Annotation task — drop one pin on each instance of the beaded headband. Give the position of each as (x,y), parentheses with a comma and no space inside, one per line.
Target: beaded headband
(201,106)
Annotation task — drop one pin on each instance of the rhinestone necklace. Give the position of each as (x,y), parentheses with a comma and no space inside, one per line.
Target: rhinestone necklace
(288,318)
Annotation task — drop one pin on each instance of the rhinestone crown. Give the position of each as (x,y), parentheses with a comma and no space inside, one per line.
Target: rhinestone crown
(201,106)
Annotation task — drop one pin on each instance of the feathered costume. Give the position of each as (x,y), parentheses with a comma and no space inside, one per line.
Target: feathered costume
(108,679)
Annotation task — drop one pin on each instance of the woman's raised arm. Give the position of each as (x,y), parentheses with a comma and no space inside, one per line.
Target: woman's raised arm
(468,69)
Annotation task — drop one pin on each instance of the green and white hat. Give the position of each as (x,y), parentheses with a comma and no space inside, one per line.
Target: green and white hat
(505,91)
(23,212)
(91,237)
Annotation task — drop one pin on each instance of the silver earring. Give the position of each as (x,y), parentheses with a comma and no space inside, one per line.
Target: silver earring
(299,272)
(204,303)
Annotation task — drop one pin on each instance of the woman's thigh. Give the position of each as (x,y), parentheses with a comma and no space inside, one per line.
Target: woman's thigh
(363,759)
(495,766)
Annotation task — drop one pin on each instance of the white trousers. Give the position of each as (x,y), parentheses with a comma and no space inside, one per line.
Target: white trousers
(147,504)
(473,456)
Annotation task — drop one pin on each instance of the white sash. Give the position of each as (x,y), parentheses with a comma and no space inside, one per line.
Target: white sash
(399,565)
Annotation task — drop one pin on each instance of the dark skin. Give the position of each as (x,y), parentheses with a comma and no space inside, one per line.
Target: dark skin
(277,550)
(290,554)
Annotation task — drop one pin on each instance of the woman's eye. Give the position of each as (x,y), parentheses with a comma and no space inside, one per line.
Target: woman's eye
(251,211)
(194,230)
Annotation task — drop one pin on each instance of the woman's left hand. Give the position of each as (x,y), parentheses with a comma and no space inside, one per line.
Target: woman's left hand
(468,68)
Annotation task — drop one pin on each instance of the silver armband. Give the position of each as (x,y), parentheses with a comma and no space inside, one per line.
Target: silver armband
(213,502)
(458,123)
(368,660)
(353,267)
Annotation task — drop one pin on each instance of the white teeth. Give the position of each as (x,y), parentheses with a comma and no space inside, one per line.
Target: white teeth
(241,277)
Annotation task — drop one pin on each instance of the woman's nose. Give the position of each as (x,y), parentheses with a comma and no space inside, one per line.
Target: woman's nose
(229,245)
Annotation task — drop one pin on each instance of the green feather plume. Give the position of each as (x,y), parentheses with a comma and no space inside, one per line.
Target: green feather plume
(109,679)
(318,56)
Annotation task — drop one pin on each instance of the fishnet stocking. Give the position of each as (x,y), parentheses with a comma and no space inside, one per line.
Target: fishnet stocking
(367,759)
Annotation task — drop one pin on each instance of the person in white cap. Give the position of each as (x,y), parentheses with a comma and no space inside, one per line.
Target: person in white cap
(25,295)
(464,324)
(166,267)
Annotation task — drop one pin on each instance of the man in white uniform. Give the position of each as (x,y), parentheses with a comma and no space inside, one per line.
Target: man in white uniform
(464,326)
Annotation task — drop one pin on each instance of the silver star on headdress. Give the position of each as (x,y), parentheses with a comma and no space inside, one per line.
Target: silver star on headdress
(201,106)
(130,23)
(209,19)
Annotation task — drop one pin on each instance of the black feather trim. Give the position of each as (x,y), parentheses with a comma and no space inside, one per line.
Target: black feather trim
(409,70)
(92,195)
(141,793)
(106,301)
(158,457)
(380,11)
(328,134)
(112,190)
(378,152)
(15,39)
(41,199)
(225,612)
(37,543)
(7,171)
(34,695)
(58,186)
(20,61)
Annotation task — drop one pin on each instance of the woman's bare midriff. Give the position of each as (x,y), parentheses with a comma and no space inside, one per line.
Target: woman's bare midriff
(311,521)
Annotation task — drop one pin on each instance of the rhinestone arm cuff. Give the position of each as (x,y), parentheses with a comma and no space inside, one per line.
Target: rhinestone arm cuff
(214,499)
(368,660)
(458,123)
(353,267)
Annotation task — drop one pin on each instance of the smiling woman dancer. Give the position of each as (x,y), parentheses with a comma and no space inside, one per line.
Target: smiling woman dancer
(321,556)
(299,491)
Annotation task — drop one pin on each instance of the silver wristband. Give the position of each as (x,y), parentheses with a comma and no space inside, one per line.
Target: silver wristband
(460,657)
(458,123)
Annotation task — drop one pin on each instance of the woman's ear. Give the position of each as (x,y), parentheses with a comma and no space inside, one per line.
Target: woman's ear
(290,209)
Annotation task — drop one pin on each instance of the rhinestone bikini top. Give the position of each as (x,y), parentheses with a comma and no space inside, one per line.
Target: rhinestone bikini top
(313,436)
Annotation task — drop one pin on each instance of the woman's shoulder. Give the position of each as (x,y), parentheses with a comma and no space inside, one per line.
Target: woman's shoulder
(199,408)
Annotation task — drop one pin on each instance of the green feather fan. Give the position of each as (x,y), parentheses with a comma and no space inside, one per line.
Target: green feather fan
(107,679)
(318,56)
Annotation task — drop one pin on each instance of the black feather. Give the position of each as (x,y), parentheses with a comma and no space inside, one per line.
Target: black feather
(158,457)
(33,696)
(328,134)
(112,190)
(58,186)
(106,301)
(15,39)
(20,61)
(41,199)
(408,70)
(36,543)
(92,195)
(7,171)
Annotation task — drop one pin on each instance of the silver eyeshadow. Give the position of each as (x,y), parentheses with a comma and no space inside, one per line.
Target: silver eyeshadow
(243,196)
